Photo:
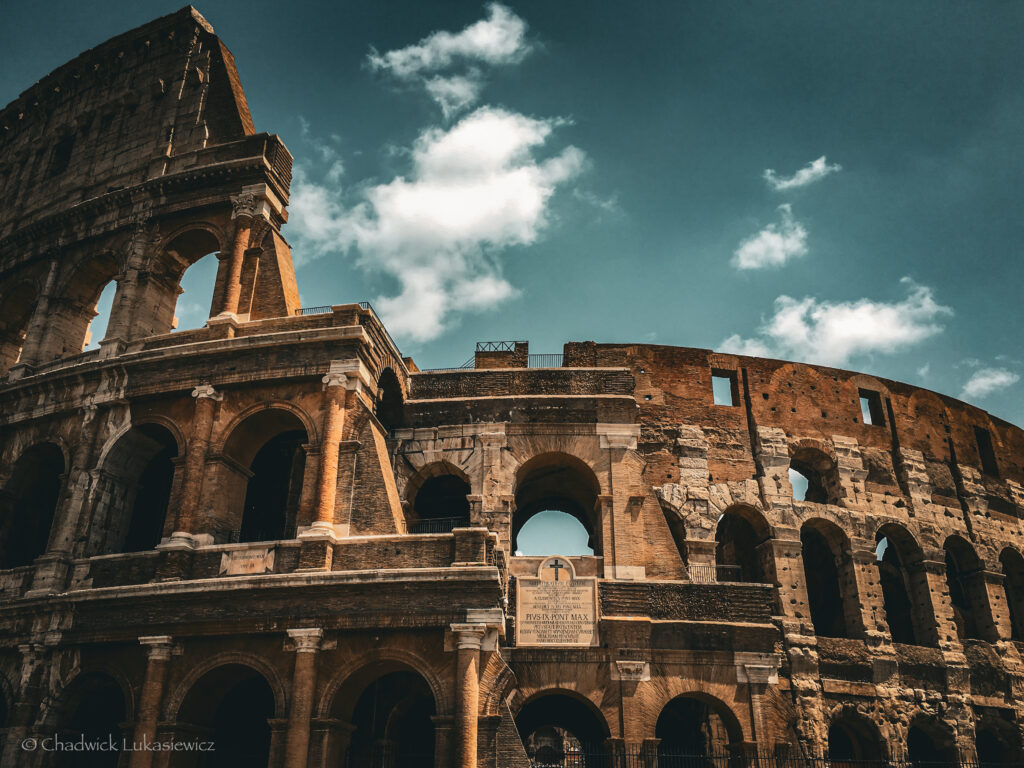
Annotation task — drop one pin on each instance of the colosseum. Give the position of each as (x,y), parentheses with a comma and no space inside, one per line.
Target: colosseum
(274,541)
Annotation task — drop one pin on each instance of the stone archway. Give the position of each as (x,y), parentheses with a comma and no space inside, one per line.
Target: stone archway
(696,725)
(560,725)
(560,484)
(28,503)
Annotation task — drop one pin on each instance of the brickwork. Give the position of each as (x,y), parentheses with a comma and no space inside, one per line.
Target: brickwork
(300,586)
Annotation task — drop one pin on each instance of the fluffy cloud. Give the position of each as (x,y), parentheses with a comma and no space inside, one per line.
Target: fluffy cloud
(774,245)
(499,39)
(809,174)
(831,333)
(985,381)
(472,189)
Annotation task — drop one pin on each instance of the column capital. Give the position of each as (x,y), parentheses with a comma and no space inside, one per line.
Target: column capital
(158,646)
(207,390)
(255,200)
(469,636)
(306,640)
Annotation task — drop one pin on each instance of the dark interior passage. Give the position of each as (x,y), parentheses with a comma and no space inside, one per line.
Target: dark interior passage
(736,551)
(823,584)
(95,712)
(271,496)
(28,504)
(393,725)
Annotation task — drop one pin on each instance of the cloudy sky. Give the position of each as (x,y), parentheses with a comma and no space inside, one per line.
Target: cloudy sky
(824,181)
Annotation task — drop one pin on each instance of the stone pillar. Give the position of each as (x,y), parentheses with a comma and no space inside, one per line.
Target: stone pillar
(619,439)
(307,643)
(649,753)
(26,703)
(442,740)
(38,324)
(336,385)
(158,653)
(239,245)
(468,639)
(195,462)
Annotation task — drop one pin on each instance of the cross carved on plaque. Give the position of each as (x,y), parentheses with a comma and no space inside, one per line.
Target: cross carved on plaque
(557,565)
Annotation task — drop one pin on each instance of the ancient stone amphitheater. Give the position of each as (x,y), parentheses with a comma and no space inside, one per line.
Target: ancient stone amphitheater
(274,541)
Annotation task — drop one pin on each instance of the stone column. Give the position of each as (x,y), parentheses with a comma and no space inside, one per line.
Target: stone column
(336,385)
(468,639)
(38,325)
(618,440)
(26,703)
(195,462)
(158,653)
(239,245)
(307,643)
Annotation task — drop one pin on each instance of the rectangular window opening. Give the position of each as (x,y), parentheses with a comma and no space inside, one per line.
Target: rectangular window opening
(725,387)
(871,407)
(986,452)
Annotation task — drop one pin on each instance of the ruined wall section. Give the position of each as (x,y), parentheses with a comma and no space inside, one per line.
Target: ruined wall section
(111,117)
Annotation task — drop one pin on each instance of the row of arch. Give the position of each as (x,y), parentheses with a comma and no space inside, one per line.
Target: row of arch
(137,476)
(85,300)
(386,714)
(829,574)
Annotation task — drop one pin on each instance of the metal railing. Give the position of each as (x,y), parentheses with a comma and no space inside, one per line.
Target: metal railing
(705,573)
(668,758)
(544,361)
(322,310)
(497,346)
(437,525)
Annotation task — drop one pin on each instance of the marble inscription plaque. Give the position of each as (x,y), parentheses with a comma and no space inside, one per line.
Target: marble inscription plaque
(556,608)
(240,562)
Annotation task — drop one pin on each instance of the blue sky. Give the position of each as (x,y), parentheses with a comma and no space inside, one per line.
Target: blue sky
(825,181)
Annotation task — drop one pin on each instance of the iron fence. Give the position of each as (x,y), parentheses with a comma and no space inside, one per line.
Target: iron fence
(544,361)
(666,758)
(497,346)
(705,573)
(437,525)
(323,310)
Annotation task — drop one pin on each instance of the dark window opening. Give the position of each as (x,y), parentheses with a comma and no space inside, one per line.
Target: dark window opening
(725,387)
(967,592)
(986,452)
(153,495)
(393,719)
(1013,588)
(896,598)
(96,715)
(871,407)
(552,488)
(824,594)
(690,727)
(62,155)
(271,498)
(556,728)
(440,504)
(29,504)
(923,748)
(853,738)
(389,407)
(736,554)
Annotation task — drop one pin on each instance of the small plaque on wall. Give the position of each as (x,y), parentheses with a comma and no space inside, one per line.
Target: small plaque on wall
(241,562)
(556,607)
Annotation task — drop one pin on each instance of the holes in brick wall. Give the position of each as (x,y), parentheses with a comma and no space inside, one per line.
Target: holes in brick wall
(725,387)
(62,151)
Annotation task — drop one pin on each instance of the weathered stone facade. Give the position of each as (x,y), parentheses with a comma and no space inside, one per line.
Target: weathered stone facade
(277,526)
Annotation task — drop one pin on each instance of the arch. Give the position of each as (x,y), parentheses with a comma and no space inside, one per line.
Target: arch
(390,707)
(562,483)
(437,499)
(234,703)
(390,403)
(28,504)
(16,308)
(967,590)
(997,741)
(134,488)
(819,468)
(697,724)
(905,591)
(830,578)
(263,478)
(854,737)
(93,706)
(1013,586)
(560,715)
(389,659)
(103,312)
(740,532)
(929,741)
(185,249)
(223,444)
(174,701)
(69,320)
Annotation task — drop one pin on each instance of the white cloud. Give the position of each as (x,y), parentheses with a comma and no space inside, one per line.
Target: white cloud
(924,371)
(774,245)
(472,190)
(498,39)
(831,333)
(810,173)
(985,381)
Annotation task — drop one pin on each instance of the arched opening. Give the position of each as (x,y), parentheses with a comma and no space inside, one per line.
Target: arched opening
(28,504)
(391,716)
(92,709)
(16,309)
(389,406)
(1013,586)
(852,737)
(997,742)
(561,728)
(193,263)
(814,476)
(905,593)
(135,490)
(696,726)
(566,487)
(269,444)
(739,535)
(441,502)
(232,706)
(97,328)
(828,574)
(927,742)
(967,590)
